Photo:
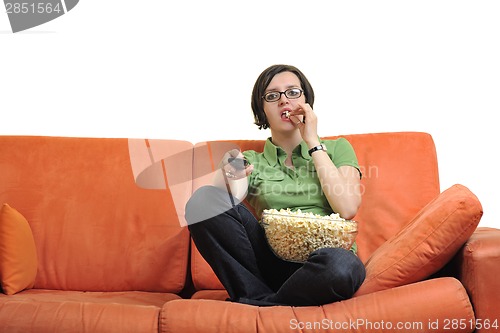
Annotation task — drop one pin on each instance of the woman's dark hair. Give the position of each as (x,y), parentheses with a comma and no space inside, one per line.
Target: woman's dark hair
(263,81)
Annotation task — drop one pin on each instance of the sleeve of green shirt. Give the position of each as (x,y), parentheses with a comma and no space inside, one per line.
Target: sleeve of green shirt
(342,153)
(250,156)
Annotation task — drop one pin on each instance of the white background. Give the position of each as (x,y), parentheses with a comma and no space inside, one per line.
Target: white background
(185,70)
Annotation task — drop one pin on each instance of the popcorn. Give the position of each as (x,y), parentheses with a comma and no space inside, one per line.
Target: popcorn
(293,235)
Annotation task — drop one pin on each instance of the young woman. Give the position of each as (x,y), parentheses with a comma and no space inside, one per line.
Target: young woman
(296,170)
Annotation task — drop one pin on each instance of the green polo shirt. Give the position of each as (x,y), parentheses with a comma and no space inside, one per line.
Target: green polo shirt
(273,185)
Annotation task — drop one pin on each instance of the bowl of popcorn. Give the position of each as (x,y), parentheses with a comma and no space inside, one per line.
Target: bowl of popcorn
(293,235)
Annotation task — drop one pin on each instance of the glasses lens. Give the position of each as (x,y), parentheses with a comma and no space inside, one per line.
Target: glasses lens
(293,93)
(272,96)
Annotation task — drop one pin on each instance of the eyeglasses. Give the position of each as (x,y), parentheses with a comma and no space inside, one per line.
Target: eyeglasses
(291,93)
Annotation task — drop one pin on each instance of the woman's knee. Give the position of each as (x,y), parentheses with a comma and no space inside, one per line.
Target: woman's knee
(342,267)
(205,203)
(200,196)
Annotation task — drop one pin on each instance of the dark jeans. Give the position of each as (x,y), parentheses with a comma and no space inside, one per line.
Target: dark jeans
(233,243)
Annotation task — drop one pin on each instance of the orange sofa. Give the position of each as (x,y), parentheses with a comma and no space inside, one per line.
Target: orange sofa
(93,239)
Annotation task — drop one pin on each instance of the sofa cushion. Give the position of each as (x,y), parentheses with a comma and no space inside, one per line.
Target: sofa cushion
(415,305)
(427,243)
(95,227)
(18,259)
(40,310)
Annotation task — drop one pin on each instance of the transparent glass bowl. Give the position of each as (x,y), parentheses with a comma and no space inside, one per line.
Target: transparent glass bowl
(293,237)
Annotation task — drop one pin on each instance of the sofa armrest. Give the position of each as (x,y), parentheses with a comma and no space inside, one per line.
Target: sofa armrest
(478,268)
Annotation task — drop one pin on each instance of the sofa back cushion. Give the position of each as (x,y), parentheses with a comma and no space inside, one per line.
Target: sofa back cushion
(400,177)
(95,229)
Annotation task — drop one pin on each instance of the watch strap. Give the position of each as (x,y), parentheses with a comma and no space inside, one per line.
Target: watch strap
(319,147)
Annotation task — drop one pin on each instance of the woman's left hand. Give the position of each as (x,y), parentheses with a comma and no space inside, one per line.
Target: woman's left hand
(305,119)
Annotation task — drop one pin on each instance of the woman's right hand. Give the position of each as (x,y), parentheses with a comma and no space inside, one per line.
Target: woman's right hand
(234,165)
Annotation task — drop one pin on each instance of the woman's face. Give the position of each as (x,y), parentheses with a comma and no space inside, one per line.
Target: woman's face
(276,111)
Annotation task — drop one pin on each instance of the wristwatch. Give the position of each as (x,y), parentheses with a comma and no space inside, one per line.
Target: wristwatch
(320,147)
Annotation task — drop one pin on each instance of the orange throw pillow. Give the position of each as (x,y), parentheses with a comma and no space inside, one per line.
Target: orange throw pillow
(426,244)
(18,259)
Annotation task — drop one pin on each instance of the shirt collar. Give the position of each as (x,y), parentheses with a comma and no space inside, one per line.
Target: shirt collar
(271,151)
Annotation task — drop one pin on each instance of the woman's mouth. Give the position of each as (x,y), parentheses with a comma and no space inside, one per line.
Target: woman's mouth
(285,115)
